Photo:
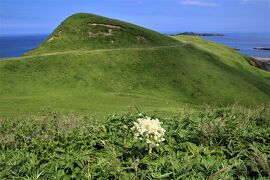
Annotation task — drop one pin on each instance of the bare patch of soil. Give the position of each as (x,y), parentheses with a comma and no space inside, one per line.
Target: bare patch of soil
(140,38)
(105,25)
(52,38)
(109,33)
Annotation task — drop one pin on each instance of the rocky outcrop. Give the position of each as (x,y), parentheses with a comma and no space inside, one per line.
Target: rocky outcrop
(262,63)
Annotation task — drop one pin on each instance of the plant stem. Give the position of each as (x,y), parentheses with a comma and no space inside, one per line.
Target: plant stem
(149,148)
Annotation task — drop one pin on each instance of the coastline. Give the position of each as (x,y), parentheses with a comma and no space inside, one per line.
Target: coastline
(262,62)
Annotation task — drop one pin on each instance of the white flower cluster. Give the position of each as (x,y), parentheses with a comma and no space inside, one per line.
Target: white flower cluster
(150,130)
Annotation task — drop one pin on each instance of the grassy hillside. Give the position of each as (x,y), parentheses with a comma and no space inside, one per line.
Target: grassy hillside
(227,55)
(157,79)
(76,73)
(87,31)
(53,101)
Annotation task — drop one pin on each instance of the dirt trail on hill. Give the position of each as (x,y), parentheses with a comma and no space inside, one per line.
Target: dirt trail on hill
(89,51)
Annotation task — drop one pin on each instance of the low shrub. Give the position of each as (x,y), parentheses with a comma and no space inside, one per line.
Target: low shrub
(216,144)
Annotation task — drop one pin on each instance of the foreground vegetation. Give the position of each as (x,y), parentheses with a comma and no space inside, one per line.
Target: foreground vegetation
(212,144)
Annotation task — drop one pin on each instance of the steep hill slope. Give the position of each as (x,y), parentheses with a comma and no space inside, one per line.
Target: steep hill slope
(161,76)
(88,31)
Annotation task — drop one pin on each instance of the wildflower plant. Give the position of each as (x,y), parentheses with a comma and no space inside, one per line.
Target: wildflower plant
(150,131)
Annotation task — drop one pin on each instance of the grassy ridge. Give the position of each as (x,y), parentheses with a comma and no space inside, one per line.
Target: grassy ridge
(73,34)
(227,55)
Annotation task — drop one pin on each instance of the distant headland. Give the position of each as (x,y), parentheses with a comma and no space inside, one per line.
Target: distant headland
(262,48)
(198,34)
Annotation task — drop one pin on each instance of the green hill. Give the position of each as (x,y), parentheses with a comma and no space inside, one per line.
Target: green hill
(87,32)
(125,68)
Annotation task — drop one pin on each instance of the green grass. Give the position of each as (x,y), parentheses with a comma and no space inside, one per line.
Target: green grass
(73,34)
(105,82)
(227,143)
(76,73)
(180,79)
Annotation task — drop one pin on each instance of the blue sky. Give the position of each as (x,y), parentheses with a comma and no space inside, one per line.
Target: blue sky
(222,16)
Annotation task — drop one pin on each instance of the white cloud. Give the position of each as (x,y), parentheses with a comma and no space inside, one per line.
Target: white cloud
(255,1)
(199,3)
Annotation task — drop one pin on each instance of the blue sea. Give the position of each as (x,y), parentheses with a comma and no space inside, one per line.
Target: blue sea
(245,42)
(14,46)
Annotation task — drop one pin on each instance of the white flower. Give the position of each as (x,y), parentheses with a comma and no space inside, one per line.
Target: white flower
(150,130)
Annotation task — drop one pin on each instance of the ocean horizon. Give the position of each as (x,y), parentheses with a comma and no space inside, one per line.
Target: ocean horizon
(17,45)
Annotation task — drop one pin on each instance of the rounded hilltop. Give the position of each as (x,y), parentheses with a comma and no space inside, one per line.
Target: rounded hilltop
(88,31)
